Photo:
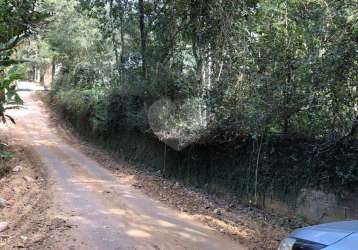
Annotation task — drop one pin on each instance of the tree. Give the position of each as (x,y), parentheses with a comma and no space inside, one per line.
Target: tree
(18,20)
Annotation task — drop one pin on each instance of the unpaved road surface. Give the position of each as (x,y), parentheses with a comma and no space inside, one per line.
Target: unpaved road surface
(103,212)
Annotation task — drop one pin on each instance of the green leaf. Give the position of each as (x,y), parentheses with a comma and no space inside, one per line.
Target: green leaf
(6,154)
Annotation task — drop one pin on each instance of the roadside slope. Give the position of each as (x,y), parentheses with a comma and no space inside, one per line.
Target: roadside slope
(102,211)
(252,227)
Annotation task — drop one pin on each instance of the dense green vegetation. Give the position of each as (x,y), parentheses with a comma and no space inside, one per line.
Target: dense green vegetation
(260,97)
(18,21)
(258,66)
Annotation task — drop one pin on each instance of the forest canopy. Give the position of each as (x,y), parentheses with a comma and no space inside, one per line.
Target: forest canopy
(255,67)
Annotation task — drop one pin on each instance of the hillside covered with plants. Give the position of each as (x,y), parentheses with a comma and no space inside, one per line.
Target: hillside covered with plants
(256,98)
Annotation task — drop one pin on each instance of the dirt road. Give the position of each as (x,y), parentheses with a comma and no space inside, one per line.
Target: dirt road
(103,212)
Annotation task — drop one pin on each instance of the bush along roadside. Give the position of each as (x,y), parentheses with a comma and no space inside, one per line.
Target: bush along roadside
(5,156)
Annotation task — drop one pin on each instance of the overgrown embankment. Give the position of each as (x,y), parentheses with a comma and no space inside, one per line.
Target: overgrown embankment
(266,171)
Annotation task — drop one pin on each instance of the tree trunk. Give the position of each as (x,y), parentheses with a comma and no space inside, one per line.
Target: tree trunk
(122,42)
(53,71)
(42,76)
(33,74)
(114,40)
(143,38)
(354,130)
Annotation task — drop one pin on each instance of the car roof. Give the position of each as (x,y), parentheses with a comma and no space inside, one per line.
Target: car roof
(348,226)
(349,242)
(327,234)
